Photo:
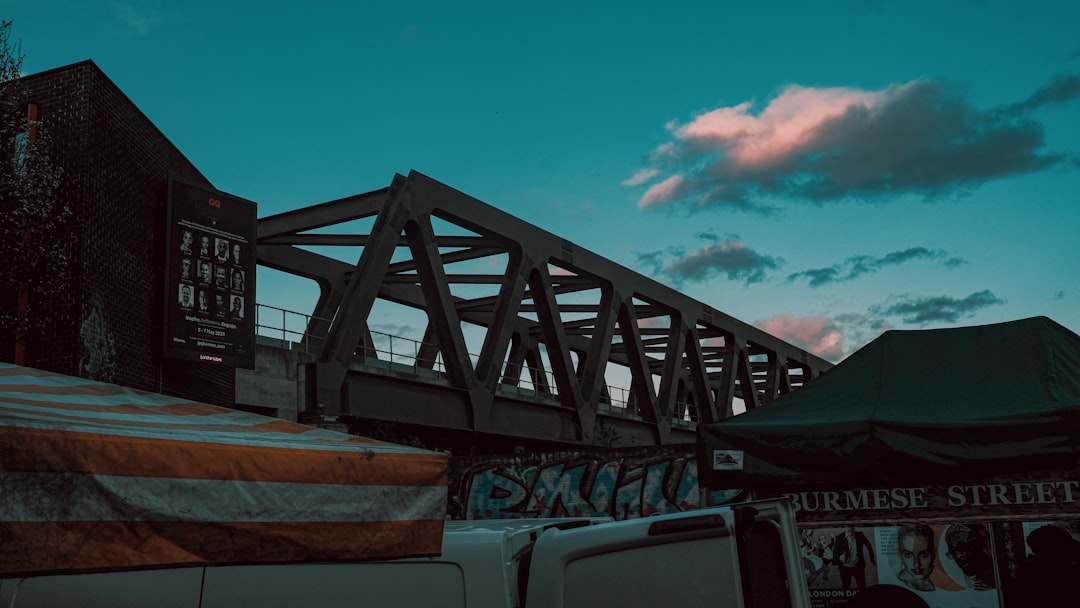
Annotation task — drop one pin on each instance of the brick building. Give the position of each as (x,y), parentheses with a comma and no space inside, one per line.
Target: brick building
(115,164)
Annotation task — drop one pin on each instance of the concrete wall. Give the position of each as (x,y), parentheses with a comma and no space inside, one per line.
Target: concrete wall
(274,384)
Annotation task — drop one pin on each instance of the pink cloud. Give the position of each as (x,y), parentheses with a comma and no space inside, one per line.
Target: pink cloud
(819,335)
(664,192)
(819,145)
(662,321)
(789,123)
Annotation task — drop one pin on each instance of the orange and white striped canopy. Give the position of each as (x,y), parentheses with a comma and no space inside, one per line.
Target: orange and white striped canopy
(95,475)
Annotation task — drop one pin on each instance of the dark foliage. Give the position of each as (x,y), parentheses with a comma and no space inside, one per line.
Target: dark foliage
(33,218)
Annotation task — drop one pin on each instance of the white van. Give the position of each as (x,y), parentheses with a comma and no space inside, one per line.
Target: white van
(739,556)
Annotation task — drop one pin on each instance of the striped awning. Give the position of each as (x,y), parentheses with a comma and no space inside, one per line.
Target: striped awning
(95,475)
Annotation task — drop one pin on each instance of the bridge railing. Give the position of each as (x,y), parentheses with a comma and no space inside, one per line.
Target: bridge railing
(285,328)
(289,329)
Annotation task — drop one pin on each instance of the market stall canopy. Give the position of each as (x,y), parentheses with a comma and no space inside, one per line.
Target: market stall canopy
(919,406)
(96,476)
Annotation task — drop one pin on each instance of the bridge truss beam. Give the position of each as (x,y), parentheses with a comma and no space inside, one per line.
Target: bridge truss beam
(552,322)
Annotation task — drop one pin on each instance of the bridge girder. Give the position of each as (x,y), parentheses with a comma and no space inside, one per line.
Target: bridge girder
(561,319)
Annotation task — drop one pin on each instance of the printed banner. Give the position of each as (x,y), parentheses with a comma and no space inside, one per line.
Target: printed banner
(947,565)
(210,277)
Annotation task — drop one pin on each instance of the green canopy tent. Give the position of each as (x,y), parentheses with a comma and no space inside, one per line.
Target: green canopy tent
(926,406)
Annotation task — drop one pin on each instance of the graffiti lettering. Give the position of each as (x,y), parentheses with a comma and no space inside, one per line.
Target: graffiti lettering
(581,486)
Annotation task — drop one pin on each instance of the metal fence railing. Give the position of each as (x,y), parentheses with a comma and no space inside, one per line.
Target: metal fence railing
(287,328)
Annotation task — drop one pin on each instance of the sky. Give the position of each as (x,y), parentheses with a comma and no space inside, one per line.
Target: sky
(823,170)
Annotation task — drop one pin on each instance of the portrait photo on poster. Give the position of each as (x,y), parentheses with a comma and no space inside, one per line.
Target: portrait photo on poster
(187,299)
(237,280)
(221,277)
(949,565)
(838,562)
(187,241)
(204,272)
(221,247)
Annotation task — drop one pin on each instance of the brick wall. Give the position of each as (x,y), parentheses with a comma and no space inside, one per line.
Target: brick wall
(116,163)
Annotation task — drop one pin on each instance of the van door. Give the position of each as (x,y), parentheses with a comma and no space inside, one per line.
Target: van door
(389,584)
(696,558)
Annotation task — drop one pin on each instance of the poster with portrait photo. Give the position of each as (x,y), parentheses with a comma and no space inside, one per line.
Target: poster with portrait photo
(838,563)
(210,237)
(187,269)
(221,276)
(205,273)
(236,311)
(204,246)
(203,304)
(220,304)
(221,250)
(187,241)
(236,284)
(186,296)
(947,565)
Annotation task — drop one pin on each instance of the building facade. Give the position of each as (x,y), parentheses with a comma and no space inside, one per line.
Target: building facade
(107,322)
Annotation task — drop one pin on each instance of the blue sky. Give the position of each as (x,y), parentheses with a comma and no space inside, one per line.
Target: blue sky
(823,170)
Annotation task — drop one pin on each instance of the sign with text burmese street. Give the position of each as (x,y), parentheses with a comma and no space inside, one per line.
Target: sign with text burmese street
(1015,496)
(209,276)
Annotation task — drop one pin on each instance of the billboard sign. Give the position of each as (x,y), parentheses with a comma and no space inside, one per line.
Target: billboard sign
(209,277)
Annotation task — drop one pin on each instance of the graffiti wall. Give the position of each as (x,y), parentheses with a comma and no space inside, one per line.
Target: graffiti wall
(618,484)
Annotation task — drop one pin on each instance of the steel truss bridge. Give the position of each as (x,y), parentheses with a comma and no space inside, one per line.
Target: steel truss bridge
(527,335)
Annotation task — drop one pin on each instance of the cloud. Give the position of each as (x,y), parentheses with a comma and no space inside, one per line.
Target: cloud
(819,335)
(670,189)
(141,22)
(382,332)
(834,337)
(831,144)
(730,258)
(653,260)
(1061,89)
(920,310)
(641,177)
(856,266)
